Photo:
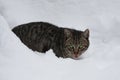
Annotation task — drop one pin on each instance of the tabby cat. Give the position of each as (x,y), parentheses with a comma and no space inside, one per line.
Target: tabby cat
(42,36)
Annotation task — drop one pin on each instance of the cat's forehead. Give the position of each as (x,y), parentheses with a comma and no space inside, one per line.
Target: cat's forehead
(76,37)
(77,34)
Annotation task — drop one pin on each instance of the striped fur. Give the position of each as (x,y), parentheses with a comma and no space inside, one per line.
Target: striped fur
(42,36)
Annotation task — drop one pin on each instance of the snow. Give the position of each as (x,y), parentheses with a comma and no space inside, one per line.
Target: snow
(100,62)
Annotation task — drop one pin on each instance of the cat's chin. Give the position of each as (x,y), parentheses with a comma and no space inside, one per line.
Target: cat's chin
(78,58)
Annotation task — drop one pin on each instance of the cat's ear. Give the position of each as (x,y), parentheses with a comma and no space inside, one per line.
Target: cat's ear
(67,33)
(86,33)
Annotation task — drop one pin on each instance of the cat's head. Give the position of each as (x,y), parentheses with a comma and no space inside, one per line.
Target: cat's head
(76,43)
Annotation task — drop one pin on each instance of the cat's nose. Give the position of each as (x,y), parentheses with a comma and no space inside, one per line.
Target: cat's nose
(76,54)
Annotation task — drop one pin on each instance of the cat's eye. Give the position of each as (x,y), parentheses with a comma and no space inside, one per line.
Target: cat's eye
(80,46)
(71,46)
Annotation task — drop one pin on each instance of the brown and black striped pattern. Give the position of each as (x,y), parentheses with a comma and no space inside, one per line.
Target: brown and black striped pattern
(42,36)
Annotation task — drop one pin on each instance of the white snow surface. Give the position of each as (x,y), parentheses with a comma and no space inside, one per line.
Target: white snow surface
(100,62)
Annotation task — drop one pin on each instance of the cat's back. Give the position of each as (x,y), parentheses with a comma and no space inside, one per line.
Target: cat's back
(36,35)
(33,25)
(34,28)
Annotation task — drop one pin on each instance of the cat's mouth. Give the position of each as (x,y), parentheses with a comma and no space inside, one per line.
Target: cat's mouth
(76,57)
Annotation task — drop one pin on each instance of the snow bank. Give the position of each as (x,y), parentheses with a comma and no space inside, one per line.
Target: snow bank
(100,62)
